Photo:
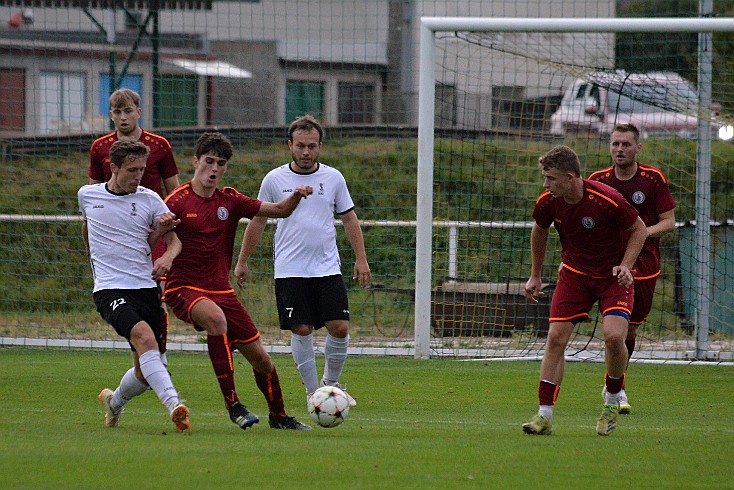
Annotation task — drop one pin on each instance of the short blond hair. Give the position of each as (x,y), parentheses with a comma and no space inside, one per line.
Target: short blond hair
(124,97)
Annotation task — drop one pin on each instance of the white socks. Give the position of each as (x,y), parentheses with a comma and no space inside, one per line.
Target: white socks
(157,376)
(335,353)
(305,359)
(130,387)
(546,411)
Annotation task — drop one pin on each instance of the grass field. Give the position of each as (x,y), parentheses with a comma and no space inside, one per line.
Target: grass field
(418,424)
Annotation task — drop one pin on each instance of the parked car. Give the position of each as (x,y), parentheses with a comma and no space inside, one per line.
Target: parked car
(658,103)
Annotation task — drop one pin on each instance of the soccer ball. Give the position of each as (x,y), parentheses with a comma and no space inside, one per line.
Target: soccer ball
(328,406)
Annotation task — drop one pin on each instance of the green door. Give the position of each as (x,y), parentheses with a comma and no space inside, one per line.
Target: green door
(176,101)
(302,97)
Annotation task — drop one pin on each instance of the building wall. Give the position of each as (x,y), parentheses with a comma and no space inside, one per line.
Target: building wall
(339,40)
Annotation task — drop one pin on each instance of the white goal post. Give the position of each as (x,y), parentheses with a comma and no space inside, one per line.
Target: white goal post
(429,26)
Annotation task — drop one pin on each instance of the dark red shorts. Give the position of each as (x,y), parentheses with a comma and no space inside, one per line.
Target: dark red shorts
(240,327)
(644,291)
(575,294)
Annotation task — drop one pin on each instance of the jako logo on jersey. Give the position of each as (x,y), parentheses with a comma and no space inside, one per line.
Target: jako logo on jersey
(587,222)
(222,213)
(638,197)
(287,191)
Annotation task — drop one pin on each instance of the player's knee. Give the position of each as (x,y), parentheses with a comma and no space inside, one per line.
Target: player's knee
(338,328)
(214,322)
(142,338)
(302,330)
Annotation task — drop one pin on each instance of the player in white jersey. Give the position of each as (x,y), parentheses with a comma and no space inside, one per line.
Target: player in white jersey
(122,223)
(309,288)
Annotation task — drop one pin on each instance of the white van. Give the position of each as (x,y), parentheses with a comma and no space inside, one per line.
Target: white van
(658,103)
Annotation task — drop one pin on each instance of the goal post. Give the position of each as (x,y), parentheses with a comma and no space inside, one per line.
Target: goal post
(431,26)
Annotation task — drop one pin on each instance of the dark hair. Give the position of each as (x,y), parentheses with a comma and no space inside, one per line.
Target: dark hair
(305,123)
(120,151)
(628,128)
(214,142)
(123,97)
(561,157)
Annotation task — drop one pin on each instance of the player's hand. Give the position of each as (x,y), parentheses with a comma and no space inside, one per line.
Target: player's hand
(362,273)
(303,190)
(533,290)
(167,222)
(161,267)
(240,273)
(623,275)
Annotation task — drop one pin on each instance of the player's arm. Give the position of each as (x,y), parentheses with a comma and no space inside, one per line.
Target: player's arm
(538,248)
(85,236)
(162,265)
(637,236)
(165,229)
(361,271)
(665,224)
(166,222)
(285,207)
(170,183)
(253,234)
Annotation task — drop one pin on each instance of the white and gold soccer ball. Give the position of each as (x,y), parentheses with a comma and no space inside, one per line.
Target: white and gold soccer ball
(328,406)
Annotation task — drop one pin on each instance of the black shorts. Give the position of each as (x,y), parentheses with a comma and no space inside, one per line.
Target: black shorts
(124,308)
(311,300)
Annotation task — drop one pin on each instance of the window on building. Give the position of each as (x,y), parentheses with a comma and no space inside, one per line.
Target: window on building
(133,82)
(12,93)
(63,96)
(303,97)
(176,101)
(356,103)
(445,106)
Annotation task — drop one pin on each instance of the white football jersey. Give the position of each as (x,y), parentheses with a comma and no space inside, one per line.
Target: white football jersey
(305,242)
(118,227)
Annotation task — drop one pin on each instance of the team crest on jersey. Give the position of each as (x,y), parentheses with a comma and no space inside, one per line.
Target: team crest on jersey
(321,188)
(587,222)
(638,197)
(222,213)
(133,211)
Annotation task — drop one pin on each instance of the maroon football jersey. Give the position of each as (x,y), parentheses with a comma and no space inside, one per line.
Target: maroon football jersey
(207,233)
(160,164)
(649,193)
(592,231)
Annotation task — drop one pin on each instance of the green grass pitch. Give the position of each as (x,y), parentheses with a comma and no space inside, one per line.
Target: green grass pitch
(418,424)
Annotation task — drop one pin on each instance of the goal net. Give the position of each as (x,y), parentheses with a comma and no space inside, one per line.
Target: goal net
(495,94)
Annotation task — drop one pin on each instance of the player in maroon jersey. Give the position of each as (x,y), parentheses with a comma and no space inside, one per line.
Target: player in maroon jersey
(125,113)
(646,188)
(198,288)
(601,235)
